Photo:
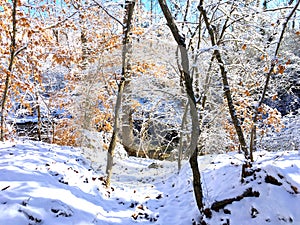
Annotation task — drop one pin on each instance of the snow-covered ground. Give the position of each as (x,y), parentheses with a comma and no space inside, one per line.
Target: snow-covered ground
(52,185)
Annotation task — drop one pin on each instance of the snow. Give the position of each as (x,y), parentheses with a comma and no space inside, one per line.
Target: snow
(53,185)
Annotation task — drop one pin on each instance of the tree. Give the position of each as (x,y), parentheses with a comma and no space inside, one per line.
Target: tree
(180,40)
(274,62)
(129,8)
(226,86)
(88,42)
(13,52)
(22,56)
(247,63)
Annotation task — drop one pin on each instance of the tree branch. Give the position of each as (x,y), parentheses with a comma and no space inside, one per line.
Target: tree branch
(108,13)
(60,22)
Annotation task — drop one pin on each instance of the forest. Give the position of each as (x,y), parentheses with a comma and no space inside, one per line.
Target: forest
(168,81)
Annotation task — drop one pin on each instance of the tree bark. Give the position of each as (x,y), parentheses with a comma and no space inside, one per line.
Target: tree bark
(192,103)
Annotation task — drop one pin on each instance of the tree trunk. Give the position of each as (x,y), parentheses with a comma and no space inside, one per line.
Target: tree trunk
(192,103)
(129,7)
(10,67)
(127,121)
(84,49)
(39,124)
(183,121)
(113,141)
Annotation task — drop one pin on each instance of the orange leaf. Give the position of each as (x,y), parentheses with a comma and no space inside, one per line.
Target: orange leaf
(247,93)
(281,69)
(260,109)
(244,47)
(274,97)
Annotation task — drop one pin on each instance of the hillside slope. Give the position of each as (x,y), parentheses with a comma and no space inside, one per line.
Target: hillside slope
(53,185)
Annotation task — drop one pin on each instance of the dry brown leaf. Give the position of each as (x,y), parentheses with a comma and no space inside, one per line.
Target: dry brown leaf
(281,69)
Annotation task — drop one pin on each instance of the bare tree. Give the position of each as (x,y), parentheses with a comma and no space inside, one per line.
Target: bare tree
(185,70)
(129,9)
(227,92)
